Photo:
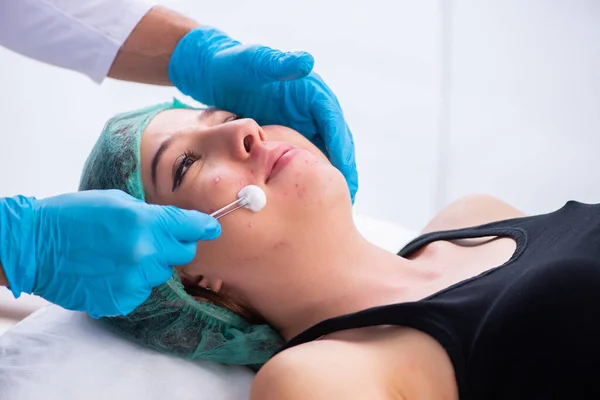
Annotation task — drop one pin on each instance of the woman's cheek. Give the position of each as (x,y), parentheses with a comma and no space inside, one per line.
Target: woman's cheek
(310,183)
(215,189)
(242,240)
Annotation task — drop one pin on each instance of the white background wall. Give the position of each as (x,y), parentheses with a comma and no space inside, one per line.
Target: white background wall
(524,120)
(445,98)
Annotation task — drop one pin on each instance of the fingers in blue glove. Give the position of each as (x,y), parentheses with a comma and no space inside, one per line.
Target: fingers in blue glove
(155,274)
(179,254)
(275,65)
(189,225)
(338,139)
(182,229)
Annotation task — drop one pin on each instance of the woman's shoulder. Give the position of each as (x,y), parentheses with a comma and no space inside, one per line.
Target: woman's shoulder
(472,210)
(320,370)
(376,363)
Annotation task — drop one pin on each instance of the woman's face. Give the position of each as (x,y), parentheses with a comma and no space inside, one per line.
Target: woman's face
(200,159)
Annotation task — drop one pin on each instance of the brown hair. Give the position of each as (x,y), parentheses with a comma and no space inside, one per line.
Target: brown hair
(222,300)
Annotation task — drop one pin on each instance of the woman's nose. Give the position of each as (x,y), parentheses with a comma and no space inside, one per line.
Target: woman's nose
(242,137)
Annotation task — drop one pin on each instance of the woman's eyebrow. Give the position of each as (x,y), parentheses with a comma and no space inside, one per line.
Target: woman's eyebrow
(207,112)
(156,159)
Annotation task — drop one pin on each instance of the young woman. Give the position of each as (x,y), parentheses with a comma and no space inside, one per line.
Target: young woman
(486,304)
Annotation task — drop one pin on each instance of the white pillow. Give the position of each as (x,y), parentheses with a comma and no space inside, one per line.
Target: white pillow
(60,354)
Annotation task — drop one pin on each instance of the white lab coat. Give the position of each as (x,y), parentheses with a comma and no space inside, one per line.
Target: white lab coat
(81,35)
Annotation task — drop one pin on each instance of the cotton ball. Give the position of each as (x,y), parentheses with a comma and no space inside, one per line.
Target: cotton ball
(255,198)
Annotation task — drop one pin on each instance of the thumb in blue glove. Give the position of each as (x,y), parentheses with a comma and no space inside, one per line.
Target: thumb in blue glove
(267,85)
(100,252)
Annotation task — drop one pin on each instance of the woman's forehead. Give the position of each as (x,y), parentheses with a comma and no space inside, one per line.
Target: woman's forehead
(172,120)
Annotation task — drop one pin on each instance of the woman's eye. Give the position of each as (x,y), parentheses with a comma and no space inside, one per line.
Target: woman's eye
(187,161)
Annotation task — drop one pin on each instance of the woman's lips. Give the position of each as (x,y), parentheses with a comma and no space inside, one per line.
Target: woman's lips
(283,161)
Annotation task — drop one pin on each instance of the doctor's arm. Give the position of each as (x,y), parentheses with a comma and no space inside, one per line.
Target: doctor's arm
(145,55)
(130,40)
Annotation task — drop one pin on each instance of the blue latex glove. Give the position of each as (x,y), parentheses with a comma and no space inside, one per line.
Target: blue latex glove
(96,251)
(267,85)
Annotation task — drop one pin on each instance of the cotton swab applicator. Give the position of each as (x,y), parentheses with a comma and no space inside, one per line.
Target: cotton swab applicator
(251,197)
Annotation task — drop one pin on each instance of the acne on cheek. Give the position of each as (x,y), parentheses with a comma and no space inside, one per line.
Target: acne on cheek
(249,259)
(280,244)
(216,181)
(301,192)
(301,189)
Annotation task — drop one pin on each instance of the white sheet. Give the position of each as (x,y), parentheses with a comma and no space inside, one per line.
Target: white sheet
(59,354)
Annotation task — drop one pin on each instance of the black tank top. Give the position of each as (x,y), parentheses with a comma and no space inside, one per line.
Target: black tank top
(528,329)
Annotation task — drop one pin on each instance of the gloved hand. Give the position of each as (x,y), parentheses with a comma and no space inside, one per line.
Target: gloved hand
(96,251)
(267,85)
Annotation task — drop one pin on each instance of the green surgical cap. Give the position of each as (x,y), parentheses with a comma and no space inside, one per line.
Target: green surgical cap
(170,321)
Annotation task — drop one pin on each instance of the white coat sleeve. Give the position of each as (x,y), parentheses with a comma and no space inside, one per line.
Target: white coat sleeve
(81,35)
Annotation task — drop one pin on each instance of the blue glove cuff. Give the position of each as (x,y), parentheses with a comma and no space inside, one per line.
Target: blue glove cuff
(188,67)
(17,238)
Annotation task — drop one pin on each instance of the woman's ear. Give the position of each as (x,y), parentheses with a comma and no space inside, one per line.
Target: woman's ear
(186,279)
(213,285)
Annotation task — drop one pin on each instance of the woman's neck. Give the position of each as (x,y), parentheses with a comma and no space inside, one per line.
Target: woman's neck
(332,276)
